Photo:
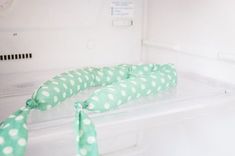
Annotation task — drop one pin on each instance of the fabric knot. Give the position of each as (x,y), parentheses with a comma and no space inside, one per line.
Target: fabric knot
(79,105)
(30,103)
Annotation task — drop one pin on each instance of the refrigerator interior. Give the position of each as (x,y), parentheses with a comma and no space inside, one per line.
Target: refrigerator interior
(195,118)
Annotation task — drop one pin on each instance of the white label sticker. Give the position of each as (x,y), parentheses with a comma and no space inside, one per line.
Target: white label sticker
(122,8)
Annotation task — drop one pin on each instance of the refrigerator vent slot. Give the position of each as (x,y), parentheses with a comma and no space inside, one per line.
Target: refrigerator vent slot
(16,56)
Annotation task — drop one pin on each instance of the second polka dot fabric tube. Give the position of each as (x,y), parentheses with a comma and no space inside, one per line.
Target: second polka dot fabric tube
(113,95)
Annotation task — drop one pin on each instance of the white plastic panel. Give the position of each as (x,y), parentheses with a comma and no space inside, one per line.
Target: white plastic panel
(191,35)
(62,34)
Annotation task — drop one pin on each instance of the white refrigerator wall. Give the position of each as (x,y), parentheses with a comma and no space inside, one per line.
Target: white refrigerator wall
(198,36)
(67,34)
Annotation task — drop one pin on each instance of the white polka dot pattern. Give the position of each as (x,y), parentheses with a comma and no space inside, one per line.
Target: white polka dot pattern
(108,97)
(91,140)
(13,133)
(121,83)
(7,150)
(22,142)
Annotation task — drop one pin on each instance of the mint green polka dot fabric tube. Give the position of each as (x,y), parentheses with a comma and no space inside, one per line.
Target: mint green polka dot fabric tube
(158,78)
(14,134)
(63,86)
(113,95)
(108,75)
(121,84)
(141,69)
(86,133)
(13,131)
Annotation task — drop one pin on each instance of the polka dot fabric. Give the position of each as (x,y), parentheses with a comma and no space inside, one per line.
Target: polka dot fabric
(111,96)
(107,75)
(156,79)
(141,69)
(63,86)
(86,133)
(121,83)
(14,134)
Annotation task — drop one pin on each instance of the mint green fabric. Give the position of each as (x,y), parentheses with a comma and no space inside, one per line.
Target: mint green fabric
(141,69)
(111,96)
(108,75)
(86,133)
(14,134)
(121,83)
(63,86)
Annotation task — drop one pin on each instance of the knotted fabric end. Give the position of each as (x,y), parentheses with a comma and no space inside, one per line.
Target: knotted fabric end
(32,104)
(80,105)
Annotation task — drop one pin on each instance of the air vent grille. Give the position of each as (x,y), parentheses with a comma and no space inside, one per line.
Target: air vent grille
(16,56)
